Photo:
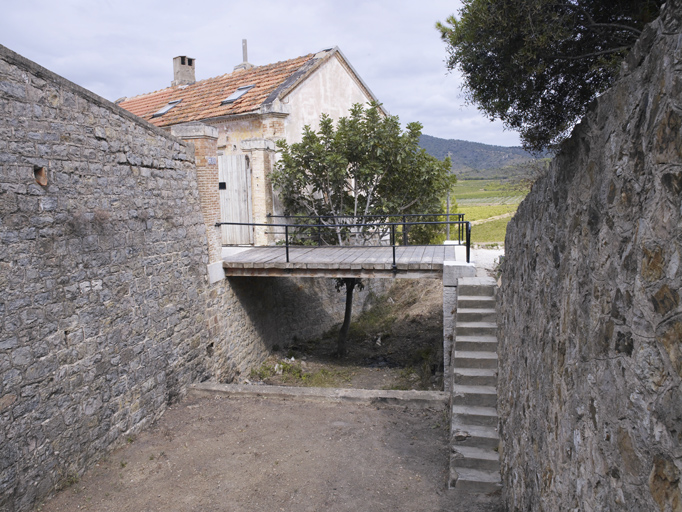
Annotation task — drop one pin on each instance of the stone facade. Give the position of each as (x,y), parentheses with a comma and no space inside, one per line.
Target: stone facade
(590,369)
(107,312)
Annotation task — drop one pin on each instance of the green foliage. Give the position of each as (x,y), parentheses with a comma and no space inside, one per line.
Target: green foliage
(376,320)
(366,165)
(425,234)
(536,64)
(292,372)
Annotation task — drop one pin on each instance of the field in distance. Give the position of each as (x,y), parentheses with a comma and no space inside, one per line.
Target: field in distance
(488,205)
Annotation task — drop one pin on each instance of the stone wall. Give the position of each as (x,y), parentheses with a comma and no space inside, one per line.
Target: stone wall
(106,311)
(590,389)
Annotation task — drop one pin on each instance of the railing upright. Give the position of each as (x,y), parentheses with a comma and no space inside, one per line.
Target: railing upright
(394,267)
(319,231)
(468,228)
(286,240)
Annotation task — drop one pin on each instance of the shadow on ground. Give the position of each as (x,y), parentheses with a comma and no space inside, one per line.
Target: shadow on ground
(396,344)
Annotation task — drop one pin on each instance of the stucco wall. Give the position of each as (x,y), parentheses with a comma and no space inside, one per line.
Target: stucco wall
(106,313)
(330,89)
(590,368)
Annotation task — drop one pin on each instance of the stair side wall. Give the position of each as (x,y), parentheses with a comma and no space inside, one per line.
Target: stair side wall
(449,331)
(590,370)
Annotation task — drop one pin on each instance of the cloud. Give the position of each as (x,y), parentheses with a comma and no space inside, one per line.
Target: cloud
(123,47)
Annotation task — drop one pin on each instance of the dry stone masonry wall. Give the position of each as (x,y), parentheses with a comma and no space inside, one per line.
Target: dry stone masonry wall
(590,389)
(106,312)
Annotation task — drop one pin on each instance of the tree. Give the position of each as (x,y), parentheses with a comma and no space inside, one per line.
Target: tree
(536,64)
(365,166)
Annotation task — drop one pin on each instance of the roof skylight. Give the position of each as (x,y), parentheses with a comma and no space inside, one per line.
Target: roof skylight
(241,91)
(166,108)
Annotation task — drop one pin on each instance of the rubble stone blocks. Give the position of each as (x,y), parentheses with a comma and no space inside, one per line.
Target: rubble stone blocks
(106,311)
(590,391)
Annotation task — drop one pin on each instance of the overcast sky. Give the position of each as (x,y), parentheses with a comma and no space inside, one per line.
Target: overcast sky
(121,48)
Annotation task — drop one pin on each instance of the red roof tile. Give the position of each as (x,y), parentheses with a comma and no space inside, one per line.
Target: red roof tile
(202,100)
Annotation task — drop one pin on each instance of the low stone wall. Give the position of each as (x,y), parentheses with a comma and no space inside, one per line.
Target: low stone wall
(590,373)
(106,311)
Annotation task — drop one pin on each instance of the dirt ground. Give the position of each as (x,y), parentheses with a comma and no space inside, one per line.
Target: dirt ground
(256,454)
(396,344)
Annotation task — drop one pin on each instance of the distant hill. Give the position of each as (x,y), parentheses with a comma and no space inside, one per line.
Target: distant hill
(476,160)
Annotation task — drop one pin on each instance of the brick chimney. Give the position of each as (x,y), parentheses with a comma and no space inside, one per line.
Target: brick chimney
(183,71)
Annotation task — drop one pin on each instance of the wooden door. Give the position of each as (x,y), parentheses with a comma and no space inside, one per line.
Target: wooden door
(235,198)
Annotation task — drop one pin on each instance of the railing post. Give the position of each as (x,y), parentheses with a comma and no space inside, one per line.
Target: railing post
(404,231)
(286,240)
(447,226)
(468,227)
(319,232)
(394,267)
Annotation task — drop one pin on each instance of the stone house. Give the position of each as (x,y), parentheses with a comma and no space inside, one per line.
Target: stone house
(252,108)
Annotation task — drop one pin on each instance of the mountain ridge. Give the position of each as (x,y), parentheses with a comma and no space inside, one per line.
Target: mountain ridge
(473,159)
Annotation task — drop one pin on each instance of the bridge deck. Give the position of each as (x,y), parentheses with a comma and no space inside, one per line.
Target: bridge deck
(414,261)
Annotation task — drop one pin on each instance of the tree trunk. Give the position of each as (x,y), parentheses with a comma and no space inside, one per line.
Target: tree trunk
(350,286)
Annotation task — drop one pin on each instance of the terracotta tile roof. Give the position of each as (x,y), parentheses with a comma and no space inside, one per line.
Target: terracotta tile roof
(202,100)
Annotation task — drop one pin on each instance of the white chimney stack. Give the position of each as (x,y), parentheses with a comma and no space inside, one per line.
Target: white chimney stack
(183,71)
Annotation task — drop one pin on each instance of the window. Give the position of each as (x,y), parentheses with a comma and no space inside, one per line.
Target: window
(241,91)
(166,108)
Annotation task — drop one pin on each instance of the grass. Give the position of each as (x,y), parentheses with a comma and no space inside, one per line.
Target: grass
(294,373)
(470,189)
(483,199)
(473,213)
(493,231)
(377,319)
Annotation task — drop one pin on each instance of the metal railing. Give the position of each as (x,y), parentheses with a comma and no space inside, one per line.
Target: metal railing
(382,233)
(347,222)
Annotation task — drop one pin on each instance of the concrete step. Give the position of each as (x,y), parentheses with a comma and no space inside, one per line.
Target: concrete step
(466,315)
(474,415)
(468,290)
(474,435)
(468,359)
(475,480)
(475,301)
(485,396)
(475,376)
(474,458)
(476,343)
(476,329)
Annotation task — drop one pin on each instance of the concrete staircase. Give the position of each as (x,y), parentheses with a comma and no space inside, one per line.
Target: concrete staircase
(474,460)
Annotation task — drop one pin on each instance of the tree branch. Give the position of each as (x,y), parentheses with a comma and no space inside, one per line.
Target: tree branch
(593,23)
(587,55)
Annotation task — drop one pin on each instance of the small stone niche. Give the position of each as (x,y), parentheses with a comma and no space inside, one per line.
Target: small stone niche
(40,174)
